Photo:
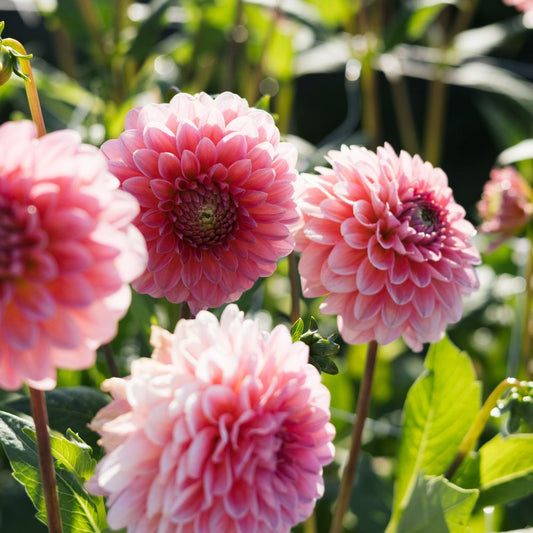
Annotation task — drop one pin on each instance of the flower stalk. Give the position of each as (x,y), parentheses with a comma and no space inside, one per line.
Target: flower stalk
(470,439)
(18,51)
(363,404)
(46,463)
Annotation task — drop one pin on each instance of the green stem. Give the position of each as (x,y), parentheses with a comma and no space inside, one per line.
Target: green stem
(46,463)
(309,526)
(436,106)
(295,288)
(470,439)
(363,403)
(110,360)
(29,85)
(526,330)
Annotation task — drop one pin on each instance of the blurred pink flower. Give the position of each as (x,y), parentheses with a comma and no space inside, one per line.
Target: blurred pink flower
(225,429)
(67,251)
(383,238)
(506,204)
(522,5)
(215,186)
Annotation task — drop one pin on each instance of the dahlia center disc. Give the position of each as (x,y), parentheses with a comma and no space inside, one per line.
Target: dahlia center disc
(205,215)
(423,215)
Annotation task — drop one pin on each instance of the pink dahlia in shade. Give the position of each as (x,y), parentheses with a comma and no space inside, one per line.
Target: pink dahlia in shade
(506,204)
(383,238)
(215,185)
(67,251)
(225,429)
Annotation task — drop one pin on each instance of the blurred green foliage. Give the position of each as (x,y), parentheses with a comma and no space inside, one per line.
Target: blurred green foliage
(449,80)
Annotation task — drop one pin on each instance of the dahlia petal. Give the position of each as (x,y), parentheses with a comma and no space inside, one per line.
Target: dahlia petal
(366,307)
(420,274)
(237,500)
(354,234)
(401,293)
(394,315)
(162,189)
(72,223)
(400,269)
(140,188)
(206,153)
(71,258)
(166,278)
(191,274)
(146,161)
(343,259)
(169,166)
(190,166)
(322,231)
(34,301)
(72,291)
(239,172)
(369,280)
(261,179)
(335,282)
(159,138)
(379,257)
(424,301)
(18,332)
(62,330)
(230,148)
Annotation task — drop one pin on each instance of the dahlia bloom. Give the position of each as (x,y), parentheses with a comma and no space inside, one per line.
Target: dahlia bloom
(383,238)
(226,428)
(506,204)
(67,251)
(522,5)
(215,185)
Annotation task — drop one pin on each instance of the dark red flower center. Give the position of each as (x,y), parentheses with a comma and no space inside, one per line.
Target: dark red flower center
(19,236)
(205,214)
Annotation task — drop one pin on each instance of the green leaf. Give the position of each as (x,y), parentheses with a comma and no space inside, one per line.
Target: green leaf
(438,506)
(425,13)
(506,469)
(70,407)
(297,329)
(80,512)
(440,408)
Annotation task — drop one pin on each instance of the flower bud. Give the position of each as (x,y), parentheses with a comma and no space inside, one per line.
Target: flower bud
(506,204)
(6,64)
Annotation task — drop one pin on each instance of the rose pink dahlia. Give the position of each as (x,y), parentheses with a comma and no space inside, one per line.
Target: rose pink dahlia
(215,186)
(382,236)
(225,429)
(67,251)
(506,205)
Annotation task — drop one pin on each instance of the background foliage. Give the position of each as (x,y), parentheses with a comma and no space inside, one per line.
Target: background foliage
(450,80)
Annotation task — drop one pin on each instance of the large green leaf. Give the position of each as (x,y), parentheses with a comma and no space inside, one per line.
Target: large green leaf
(439,409)
(506,469)
(80,512)
(438,506)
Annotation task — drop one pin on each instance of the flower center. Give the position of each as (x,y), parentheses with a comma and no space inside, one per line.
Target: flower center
(205,215)
(423,215)
(19,236)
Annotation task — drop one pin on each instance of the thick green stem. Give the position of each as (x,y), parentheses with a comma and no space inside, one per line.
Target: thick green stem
(295,288)
(436,107)
(363,403)
(470,439)
(46,463)
(29,85)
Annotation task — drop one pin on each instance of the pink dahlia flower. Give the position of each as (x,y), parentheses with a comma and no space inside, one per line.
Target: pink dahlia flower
(67,251)
(383,238)
(506,204)
(215,185)
(225,429)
